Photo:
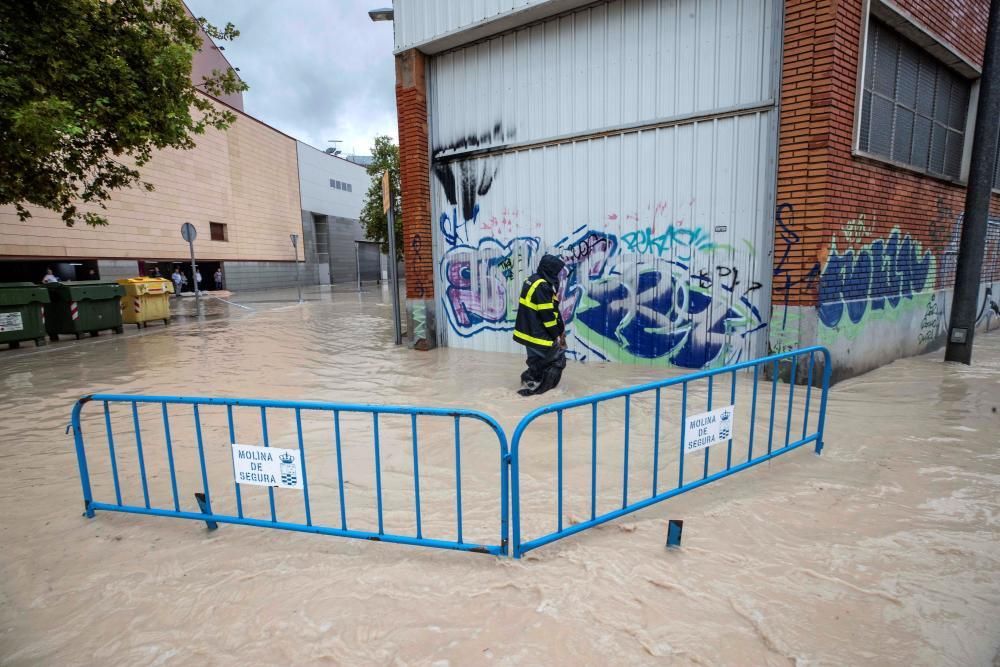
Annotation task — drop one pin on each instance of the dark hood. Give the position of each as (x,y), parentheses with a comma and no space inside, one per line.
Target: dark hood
(550,267)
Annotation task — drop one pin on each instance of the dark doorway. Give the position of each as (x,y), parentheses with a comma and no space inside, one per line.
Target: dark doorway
(33,270)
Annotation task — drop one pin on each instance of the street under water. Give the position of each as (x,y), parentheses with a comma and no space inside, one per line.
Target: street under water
(883,550)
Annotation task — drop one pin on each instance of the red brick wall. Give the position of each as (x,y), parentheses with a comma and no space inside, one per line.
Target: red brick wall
(803,137)
(414,165)
(826,193)
(962,23)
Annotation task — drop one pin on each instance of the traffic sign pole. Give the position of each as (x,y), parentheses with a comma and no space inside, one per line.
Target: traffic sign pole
(393,280)
(189,233)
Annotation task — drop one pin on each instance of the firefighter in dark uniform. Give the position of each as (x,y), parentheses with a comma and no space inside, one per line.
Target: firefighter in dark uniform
(540,328)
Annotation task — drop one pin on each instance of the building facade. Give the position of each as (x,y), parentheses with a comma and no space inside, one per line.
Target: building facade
(723,178)
(332,191)
(246,190)
(239,188)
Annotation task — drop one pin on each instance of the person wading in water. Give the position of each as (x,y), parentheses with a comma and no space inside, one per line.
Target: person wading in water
(539,327)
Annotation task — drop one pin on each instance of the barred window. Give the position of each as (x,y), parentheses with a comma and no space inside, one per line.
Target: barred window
(914,107)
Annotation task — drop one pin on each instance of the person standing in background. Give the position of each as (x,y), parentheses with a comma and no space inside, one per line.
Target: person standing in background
(50,277)
(218,278)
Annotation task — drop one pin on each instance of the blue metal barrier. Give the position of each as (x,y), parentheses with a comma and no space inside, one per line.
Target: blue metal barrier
(773,363)
(204,496)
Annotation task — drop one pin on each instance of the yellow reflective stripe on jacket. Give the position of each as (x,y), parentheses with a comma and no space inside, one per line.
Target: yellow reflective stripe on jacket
(536,306)
(531,339)
(526,299)
(534,286)
(552,323)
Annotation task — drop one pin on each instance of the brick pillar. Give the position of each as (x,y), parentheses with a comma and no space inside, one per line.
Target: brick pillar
(415,167)
(801,218)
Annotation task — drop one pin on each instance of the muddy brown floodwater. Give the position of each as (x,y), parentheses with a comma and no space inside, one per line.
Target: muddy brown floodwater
(884,550)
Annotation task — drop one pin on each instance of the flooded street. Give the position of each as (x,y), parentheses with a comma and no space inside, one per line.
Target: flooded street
(884,550)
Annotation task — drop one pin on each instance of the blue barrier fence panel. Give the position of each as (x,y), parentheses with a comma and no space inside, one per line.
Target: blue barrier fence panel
(220,441)
(704,421)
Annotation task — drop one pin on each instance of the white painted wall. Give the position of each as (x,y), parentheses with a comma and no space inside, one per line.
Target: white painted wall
(316,169)
(437,25)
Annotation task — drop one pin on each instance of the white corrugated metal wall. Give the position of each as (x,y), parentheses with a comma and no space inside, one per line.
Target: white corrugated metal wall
(636,139)
(418,21)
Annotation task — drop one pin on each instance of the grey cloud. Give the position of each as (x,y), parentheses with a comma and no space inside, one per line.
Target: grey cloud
(317,69)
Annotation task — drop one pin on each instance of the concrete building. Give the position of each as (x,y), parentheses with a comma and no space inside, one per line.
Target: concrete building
(332,191)
(246,190)
(724,178)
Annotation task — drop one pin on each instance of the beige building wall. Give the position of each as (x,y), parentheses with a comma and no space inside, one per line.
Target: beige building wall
(246,178)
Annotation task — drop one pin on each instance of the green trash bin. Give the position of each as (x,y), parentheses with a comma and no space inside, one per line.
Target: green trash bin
(22,313)
(85,306)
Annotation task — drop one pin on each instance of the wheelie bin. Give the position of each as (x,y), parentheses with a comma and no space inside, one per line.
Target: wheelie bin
(22,313)
(85,306)
(146,300)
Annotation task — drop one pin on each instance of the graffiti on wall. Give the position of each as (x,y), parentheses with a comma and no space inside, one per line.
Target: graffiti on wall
(636,287)
(876,276)
(618,304)
(480,293)
(791,278)
(870,275)
(462,183)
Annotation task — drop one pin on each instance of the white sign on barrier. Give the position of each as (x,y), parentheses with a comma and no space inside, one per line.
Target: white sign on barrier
(267,466)
(708,428)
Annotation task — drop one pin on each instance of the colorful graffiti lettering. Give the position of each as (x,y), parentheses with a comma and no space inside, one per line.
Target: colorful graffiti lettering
(477,296)
(626,306)
(586,259)
(883,272)
(681,241)
(652,309)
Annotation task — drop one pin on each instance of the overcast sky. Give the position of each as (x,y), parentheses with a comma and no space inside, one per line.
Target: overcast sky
(317,69)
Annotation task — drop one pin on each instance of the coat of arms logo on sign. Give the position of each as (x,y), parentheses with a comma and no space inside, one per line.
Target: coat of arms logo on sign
(724,424)
(289,473)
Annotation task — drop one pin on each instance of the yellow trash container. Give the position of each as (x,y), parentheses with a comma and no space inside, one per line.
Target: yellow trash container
(145,300)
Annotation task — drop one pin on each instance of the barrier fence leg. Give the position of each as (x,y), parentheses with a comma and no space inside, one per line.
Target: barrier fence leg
(203,506)
(821,425)
(81,460)
(674,529)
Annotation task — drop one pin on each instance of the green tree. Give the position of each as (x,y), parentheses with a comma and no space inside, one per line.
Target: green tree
(89,89)
(385,156)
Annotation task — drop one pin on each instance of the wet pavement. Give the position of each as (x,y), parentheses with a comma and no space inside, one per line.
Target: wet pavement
(884,550)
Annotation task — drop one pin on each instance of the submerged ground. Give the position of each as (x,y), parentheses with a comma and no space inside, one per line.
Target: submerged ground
(884,550)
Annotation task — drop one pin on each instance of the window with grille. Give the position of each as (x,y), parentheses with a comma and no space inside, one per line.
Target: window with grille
(913,108)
